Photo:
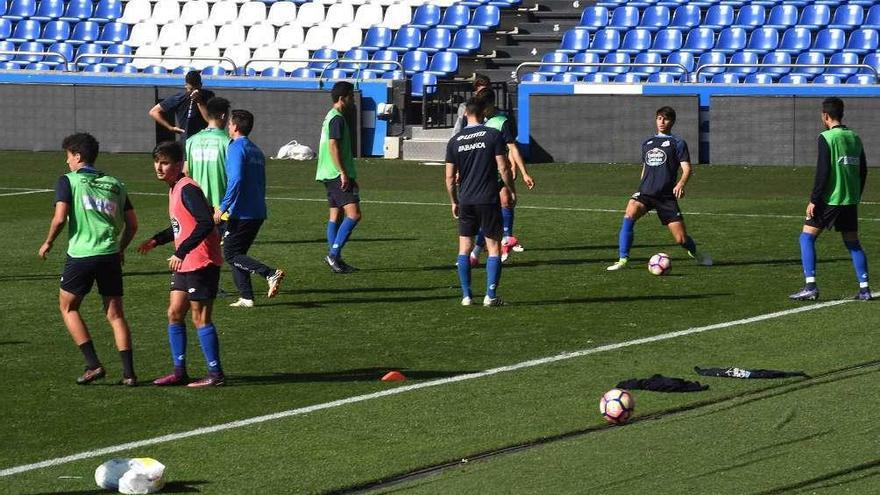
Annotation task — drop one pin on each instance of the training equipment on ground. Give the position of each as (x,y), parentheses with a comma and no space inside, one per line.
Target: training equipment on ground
(659,264)
(616,406)
(131,476)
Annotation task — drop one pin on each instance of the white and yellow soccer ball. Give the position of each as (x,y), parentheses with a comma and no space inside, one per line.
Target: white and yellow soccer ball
(617,405)
(659,264)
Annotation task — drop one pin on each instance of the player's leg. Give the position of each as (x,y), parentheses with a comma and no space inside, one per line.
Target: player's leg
(235,249)
(178,305)
(490,223)
(807,241)
(69,304)
(109,279)
(201,300)
(634,211)
(860,263)
(465,244)
(333,221)
(507,215)
(679,233)
(353,216)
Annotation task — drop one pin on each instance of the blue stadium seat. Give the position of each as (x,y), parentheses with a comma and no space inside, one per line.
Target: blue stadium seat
(426,16)
(743,58)
(159,70)
(872,59)
(782,16)
(872,20)
(636,41)
(181,70)
(685,18)
(628,78)
(533,77)
(355,54)
(98,69)
(796,40)
(88,49)
(829,41)
(596,77)
(759,78)
(809,58)
(443,64)
(862,79)
(84,32)
(699,40)
(334,74)
(725,78)
(414,61)
(750,17)
(5,28)
(763,40)
(776,58)
(21,9)
(301,72)
(655,18)
(377,38)
(711,58)
(624,18)
(863,3)
(593,18)
(323,54)
(662,78)
(113,33)
(505,4)
(406,39)
(827,79)
(29,46)
(8,66)
(685,59)
(615,58)
(730,40)
(49,10)
(548,64)
(466,41)
(384,55)
(65,49)
(3,7)
(486,17)
(125,69)
(672,4)
(54,31)
(584,58)
(718,17)
(419,81)
(847,17)
(843,58)
(370,74)
(815,17)
(118,49)
(455,16)
(567,77)
(604,41)
(436,39)
(830,3)
(794,79)
(7,46)
(25,30)
(575,40)
(667,41)
(647,58)
(77,10)
(862,41)
(107,11)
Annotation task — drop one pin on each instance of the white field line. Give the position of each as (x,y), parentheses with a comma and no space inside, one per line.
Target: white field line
(23,191)
(408,388)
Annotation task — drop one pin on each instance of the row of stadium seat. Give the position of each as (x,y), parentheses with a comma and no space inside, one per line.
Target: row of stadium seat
(67,10)
(709,3)
(666,78)
(701,39)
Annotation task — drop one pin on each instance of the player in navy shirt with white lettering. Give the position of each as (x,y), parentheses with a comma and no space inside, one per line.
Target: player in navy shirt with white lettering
(475,157)
(662,157)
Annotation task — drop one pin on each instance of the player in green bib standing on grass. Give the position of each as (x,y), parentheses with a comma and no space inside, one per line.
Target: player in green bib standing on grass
(102,223)
(206,153)
(337,172)
(841,171)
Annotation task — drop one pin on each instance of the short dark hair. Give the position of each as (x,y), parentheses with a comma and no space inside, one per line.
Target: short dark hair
(474,106)
(833,107)
(218,107)
(83,143)
(340,90)
(667,112)
(487,97)
(481,80)
(244,120)
(194,78)
(170,150)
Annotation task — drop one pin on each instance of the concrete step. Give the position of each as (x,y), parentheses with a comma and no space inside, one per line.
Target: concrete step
(419,133)
(564,5)
(548,26)
(522,39)
(423,149)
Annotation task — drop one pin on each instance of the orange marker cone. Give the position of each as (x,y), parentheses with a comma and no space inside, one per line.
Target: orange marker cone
(393,376)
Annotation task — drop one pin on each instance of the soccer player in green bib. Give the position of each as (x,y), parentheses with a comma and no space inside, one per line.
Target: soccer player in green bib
(837,190)
(102,223)
(206,153)
(337,172)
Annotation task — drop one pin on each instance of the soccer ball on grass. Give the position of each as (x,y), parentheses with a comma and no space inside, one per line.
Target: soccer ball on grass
(659,264)
(616,406)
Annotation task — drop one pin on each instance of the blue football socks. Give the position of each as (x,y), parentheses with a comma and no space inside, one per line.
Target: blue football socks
(464,274)
(507,221)
(342,235)
(808,256)
(860,261)
(210,347)
(625,239)
(332,228)
(493,275)
(177,341)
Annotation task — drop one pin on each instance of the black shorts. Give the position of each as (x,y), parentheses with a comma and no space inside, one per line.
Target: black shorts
(473,218)
(80,273)
(337,198)
(666,206)
(844,218)
(199,285)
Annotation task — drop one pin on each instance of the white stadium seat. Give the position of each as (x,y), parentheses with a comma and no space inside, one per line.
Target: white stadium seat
(397,15)
(310,14)
(151,50)
(289,36)
(264,52)
(144,33)
(260,34)
(384,3)
(177,51)
(282,13)
(442,3)
(339,14)
(347,38)
(136,11)
(367,16)
(206,51)
(201,34)
(297,57)
(165,11)
(239,54)
(223,12)
(172,34)
(356,2)
(230,35)
(252,13)
(325,2)
(416,3)
(194,12)
(318,37)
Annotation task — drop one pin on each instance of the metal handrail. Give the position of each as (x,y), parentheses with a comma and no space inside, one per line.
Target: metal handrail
(46,53)
(328,62)
(158,57)
(596,64)
(805,66)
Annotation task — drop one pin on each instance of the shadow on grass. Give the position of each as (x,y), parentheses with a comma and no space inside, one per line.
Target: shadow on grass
(356,290)
(353,375)
(820,481)
(170,487)
(785,261)
(22,278)
(609,247)
(355,240)
(608,299)
(514,264)
(14,342)
(366,300)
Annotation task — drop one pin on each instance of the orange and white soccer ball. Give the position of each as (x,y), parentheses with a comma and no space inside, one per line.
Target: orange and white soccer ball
(616,406)
(659,264)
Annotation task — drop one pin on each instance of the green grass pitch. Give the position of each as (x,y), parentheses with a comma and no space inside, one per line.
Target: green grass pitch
(328,338)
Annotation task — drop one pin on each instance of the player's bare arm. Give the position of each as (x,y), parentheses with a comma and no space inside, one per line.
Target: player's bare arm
(156,114)
(59,219)
(678,190)
(506,176)
(517,163)
(336,153)
(451,181)
(131,227)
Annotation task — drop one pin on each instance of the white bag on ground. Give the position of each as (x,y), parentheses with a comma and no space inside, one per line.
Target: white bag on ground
(294,151)
(107,475)
(131,476)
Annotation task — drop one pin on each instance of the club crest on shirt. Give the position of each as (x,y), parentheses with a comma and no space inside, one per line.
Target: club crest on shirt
(175,227)
(655,157)
(665,144)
